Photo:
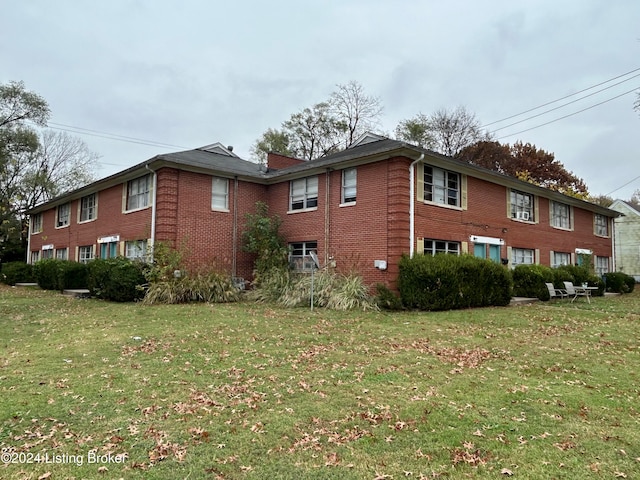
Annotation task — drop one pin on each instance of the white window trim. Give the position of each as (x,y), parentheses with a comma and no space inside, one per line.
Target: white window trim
(31,224)
(226,195)
(68,217)
(306,197)
(86,260)
(533,208)
(595,226)
(125,195)
(95,208)
(460,199)
(350,203)
(552,217)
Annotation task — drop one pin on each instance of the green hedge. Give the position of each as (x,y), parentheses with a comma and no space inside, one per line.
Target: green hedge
(529,280)
(446,282)
(619,282)
(116,279)
(53,274)
(16,272)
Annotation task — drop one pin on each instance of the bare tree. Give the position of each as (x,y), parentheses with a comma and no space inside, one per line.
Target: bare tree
(444,131)
(61,163)
(358,111)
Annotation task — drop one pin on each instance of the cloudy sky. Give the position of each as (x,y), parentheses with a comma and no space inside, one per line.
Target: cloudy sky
(183,74)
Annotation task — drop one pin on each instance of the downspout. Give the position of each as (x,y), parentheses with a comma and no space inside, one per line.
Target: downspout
(327,216)
(412,203)
(153,209)
(235,227)
(28,259)
(613,244)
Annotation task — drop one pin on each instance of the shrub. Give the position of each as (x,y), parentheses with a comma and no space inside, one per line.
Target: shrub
(578,274)
(204,287)
(16,272)
(53,274)
(529,281)
(618,282)
(330,290)
(445,282)
(271,285)
(116,279)
(387,299)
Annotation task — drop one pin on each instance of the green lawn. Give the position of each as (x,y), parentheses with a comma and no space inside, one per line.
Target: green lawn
(252,391)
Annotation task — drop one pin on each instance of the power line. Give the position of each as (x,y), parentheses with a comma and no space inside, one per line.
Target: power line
(622,186)
(564,104)
(569,115)
(561,98)
(114,136)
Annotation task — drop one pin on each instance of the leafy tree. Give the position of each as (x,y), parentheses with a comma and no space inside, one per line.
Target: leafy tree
(315,132)
(526,162)
(271,141)
(602,200)
(261,236)
(35,165)
(444,131)
(416,131)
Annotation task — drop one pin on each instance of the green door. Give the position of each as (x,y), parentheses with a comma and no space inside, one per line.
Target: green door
(494,253)
(480,250)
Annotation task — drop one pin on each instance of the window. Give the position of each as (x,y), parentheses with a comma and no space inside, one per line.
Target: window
(35,256)
(88,208)
(441,186)
(136,250)
(349,185)
(85,253)
(601,225)
(560,258)
(109,250)
(602,265)
(522,256)
(522,206)
(36,223)
(433,247)
(220,194)
(303,193)
(299,258)
(62,215)
(62,253)
(47,252)
(138,193)
(561,215)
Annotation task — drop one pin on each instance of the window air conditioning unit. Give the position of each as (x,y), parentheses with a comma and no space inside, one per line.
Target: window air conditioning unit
(522,215)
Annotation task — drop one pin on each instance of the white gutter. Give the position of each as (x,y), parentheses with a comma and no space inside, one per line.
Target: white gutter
(153,209)
(412,203)
(613,244)
(28,259)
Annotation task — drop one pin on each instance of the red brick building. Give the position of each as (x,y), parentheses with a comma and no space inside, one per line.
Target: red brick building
(359,209)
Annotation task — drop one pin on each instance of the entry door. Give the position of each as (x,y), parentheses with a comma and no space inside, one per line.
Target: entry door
(480,250)
(494,253)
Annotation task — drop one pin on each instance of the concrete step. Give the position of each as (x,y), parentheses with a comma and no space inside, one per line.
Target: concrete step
(77,292)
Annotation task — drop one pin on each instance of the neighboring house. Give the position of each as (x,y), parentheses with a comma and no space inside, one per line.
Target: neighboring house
(360,209)
(627,239)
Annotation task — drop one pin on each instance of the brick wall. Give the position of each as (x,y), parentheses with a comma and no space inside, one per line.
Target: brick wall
(110,220)
(487,216)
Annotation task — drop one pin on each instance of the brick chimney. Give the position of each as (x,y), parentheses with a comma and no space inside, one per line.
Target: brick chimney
(275,161)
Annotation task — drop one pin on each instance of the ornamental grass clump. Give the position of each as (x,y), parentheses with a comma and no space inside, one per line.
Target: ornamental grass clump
(331,290)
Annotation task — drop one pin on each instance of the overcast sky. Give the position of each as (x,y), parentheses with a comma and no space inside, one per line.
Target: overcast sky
(194,72)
